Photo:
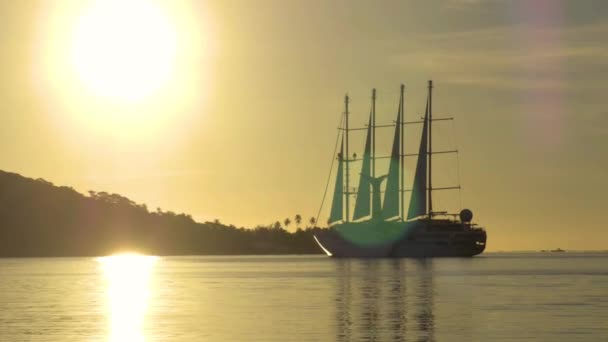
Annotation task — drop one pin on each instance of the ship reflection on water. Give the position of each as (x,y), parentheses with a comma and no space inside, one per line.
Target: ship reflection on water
(396,309)
(127,294)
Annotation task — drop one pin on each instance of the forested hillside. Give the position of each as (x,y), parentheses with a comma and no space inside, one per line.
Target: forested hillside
(38,218)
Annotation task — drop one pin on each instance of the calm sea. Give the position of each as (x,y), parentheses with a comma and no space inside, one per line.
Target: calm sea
(494,297)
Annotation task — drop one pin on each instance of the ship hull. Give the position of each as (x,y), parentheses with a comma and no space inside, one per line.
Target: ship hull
(422,239)
(337,246)
(420,250)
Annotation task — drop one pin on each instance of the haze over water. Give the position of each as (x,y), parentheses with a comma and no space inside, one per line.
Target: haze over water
(495,297)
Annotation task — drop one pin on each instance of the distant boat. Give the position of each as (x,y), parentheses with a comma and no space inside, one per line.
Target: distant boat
(383,228)
(557,250)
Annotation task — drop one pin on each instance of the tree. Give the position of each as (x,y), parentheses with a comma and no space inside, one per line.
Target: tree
(287,222)
(312,221)
(298,220)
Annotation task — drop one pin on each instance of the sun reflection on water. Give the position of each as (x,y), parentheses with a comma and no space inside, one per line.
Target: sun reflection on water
(127,290)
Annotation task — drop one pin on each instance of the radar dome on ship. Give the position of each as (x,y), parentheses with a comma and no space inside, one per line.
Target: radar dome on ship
(466,215)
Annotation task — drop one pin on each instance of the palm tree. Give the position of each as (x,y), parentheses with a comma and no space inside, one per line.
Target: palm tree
(287,222)
(298,220)
(312,221)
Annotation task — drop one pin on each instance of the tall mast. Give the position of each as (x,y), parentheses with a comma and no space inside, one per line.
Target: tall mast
(347,192)
(401,155)
(430,151)
(373,156)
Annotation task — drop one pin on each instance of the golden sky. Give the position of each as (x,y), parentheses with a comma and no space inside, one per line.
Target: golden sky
(228,109)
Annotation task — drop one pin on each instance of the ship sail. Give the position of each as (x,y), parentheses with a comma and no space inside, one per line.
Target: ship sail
(337,203)
(418,199)
(390,208)
(362,206)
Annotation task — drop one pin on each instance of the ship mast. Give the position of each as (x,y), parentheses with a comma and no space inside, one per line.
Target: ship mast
(430,150)
(347,192)
(402,154)
(373,156)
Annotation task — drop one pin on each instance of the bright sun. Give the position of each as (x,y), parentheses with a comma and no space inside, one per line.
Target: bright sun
(127,69)
(124,49)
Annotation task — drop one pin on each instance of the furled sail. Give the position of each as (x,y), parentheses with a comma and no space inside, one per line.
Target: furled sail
(362,206)
(390,208)
(418,199)
(337,203)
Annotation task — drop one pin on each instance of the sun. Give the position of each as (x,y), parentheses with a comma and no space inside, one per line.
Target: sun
(123,49)
(123,69)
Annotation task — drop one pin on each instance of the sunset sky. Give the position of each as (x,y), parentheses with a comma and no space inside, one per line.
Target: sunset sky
(229,109)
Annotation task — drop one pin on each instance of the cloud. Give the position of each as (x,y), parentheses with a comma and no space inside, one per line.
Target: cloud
(511,56)
(467,4)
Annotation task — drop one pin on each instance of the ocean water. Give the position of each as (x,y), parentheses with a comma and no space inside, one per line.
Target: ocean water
(493,297)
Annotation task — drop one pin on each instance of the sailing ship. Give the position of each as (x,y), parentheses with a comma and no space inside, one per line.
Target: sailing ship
(381,227)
